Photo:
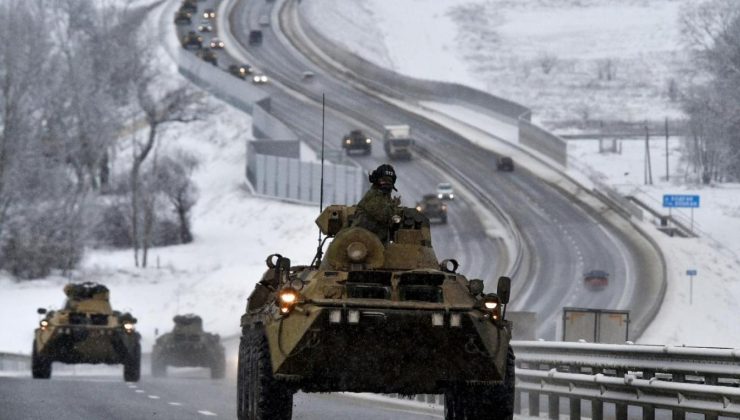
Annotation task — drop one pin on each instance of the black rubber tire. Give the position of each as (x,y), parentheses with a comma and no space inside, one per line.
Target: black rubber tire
(259,395)
(218,367)
(132,365)
(479,402)
(40,365)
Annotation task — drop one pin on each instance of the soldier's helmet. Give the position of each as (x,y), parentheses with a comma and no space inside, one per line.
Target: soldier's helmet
(384,176)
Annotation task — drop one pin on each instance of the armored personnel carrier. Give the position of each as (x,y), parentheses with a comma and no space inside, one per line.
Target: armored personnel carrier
(357,140)
(86,330)
(192,41)
(433,208)
(188,345)
(374,317)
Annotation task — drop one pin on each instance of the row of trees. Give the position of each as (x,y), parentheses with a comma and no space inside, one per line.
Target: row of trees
(712,102)
(75,75)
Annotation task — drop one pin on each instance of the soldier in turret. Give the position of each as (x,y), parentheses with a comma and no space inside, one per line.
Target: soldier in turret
(377,207)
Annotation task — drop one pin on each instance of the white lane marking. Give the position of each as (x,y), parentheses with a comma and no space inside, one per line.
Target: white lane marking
(132,386)
(176,404)
(207,413)
(154,397)
(139,391)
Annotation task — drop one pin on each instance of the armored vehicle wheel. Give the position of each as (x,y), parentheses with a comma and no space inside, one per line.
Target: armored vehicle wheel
(132,365)
(259,395)
(40,365)
(159,367)
(477,402)
(218,367)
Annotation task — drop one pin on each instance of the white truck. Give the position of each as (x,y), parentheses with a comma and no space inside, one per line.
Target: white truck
(397,141)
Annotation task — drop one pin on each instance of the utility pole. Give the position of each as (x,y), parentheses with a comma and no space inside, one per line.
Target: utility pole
(648,165)
(667,169)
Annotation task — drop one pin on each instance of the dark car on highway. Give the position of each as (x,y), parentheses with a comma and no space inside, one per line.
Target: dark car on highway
(505,163)
(192,40)
(182,17)
(433,208)
(255,37)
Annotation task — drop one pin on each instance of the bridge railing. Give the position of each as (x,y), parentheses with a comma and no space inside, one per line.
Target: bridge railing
(678,379)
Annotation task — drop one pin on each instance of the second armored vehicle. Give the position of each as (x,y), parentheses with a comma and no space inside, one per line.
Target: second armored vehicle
(433,208)
(375,317)
(192,40)
(86,330)
(188,345)
(357,140)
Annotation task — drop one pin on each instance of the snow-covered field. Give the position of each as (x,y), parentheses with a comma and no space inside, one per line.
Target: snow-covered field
(234,231)
(566,59)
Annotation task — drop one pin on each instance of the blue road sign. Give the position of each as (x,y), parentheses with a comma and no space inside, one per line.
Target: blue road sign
(690,272)
(674,200)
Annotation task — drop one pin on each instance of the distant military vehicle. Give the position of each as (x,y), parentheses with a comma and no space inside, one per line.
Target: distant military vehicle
(369,317)
(190,6)
(86,330)
(188,345)
(397,141)
(183,17)
(433,208)
(192,40)
(208,55)
(255,37)
(505,164)
(357,140)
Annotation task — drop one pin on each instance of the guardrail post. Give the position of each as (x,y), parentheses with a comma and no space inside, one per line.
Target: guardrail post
(679,414)
(553,406)
(534,403)
(648,412)
(575,409)
(517,401)
(597,409)
(621,411)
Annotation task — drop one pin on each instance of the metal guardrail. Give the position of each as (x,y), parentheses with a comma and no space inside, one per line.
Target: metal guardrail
(679,379)
(14,362)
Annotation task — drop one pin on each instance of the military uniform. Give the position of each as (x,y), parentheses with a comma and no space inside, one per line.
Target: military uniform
(374,212)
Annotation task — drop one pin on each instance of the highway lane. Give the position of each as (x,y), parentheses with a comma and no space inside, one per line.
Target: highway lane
(562,239)
(188,393)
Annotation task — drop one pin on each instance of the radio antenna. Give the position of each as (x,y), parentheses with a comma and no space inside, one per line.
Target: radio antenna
(319,248)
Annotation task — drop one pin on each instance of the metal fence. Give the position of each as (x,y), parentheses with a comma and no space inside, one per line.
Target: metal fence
(678,379)
(293,179)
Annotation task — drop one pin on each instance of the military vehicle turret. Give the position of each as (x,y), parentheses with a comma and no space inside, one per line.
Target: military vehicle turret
(188,345)
(369,317)
(86,330)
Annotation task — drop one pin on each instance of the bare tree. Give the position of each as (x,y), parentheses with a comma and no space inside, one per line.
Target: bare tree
(174,180)
(712,33)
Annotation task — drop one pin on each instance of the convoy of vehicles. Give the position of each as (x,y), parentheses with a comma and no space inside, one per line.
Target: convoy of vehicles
(397,141)
(325,327)
(86,330)
(357,140)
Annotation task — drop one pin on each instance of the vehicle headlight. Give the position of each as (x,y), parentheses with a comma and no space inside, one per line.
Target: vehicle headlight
(287,299)
(356,251)
(418,208)
(492,305)
(128,327)
(452,196)
(347,141)
(368,140)
(43,324)
(439,195)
